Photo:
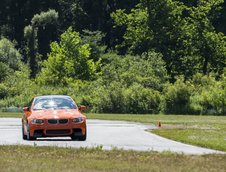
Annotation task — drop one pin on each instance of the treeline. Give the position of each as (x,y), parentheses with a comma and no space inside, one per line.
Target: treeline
(142,56)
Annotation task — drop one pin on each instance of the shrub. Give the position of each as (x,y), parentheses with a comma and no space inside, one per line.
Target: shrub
(106,98)
(147,70)
(3,91)
(9,54)
(4,71)
(177,97)
(116,98)
(10,59)
(141,100)
(209,95)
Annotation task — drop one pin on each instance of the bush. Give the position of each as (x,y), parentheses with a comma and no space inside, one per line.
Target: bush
(9,54)
(3,91)
(4,71)
(105,98)
(209,95)
(141,100)
(18,82)
(116,98)
(147,70)
(177,97)
(10,59)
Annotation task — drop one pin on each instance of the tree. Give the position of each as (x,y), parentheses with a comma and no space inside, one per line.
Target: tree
(92,15)
(184,34)
(211,44)
(10,66)
(137,36)
(31,33)
(16,14)
(94,39)
(147,70)
(68,60)
(10,58)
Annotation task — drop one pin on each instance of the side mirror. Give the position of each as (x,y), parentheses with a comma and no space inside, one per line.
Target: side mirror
(82,107)
(25,109)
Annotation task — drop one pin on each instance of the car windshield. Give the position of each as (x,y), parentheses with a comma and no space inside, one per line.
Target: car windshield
(53,103)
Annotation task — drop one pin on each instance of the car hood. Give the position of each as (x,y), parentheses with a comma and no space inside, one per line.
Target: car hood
(58,114)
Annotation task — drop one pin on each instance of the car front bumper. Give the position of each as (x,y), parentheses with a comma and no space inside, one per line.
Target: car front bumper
(57,130)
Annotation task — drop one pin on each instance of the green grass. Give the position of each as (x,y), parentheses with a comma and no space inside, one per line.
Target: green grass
(10,114)
(214,138)
(205,131)
(28,158)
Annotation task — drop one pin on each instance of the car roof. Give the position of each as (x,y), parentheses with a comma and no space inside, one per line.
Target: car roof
(53,96)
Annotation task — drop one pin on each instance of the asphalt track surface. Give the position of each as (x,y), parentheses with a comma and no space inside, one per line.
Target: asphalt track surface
(108,134)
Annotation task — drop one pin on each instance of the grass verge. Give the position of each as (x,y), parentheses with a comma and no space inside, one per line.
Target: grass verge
(10,114)
(28,158)
(205,131)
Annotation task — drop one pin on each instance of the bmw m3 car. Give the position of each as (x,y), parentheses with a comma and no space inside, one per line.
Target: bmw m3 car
(53,116)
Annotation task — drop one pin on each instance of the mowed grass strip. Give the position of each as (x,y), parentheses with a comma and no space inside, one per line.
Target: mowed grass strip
(208,138)
(32,158)
(10,114)
(205,131)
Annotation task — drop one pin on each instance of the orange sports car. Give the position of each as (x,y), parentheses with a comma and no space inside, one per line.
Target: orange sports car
(53,116)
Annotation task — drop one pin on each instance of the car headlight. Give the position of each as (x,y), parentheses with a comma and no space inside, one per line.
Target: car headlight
(80,119)
(37,121)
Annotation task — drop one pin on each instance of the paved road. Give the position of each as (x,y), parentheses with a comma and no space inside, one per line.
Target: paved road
(109,134)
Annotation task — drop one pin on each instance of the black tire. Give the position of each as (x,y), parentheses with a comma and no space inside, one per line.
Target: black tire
(28,134)
(74,137)
(23,135)
(79,138)
(83,138)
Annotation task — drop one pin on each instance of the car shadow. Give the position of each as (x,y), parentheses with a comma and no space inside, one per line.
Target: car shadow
(40,140)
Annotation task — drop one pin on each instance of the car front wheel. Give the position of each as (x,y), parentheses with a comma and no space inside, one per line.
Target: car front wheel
(79,138)
(83,137)
(23,135)
(29,137)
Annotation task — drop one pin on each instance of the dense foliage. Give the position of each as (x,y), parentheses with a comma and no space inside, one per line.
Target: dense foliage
(141,56)
(69,60)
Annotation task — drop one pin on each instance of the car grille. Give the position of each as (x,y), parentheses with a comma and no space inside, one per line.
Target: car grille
(63,121)
(66,131)
(52,121)
(56,121)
